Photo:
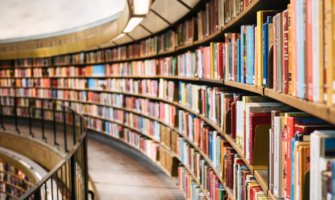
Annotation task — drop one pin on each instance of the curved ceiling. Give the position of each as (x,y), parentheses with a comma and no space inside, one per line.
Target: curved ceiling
(24,20)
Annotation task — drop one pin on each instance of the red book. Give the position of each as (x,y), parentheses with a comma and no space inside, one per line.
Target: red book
(253,191)
(196,131)
(234,65)
(309,50)
(308,129)
(256,119)
(219,60)
(285,51)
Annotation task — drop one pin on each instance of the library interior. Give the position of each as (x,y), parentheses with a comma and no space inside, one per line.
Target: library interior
(167,100)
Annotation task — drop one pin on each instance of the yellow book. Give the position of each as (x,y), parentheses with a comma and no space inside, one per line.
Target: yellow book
(212,61)
(301,167)
(329,52)
(261,18)
(291,80)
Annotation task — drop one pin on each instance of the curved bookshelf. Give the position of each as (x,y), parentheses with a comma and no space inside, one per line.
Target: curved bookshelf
(260,172)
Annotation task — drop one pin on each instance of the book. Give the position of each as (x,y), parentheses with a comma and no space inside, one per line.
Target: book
(261,18)
(322,146)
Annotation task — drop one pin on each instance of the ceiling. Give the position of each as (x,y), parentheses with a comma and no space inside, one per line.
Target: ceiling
(22,19)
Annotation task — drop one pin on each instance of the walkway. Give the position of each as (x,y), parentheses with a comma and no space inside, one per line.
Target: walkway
(122,174)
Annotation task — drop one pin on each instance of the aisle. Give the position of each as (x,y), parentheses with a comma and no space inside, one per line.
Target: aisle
(121,174)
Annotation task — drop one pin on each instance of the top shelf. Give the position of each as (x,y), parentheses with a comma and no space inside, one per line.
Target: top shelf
(247,16)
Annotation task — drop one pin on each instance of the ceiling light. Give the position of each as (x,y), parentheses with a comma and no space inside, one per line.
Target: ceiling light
(141,7)
(119,36)
(132,23)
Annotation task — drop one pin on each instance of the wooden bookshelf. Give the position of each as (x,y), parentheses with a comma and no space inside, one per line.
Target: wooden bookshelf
(245,87)
(262,178)
(319,110)
(247,16)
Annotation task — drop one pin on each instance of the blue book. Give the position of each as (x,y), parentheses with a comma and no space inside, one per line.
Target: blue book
(265,53)
(292,168)
(241,53)
(180,92)
(300,35)
(91,83)
(98,70)
(53,93)
(333,179)
(250,54)
(210,145)
(238,41)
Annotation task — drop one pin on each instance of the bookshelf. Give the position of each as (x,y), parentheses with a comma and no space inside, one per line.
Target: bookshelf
(132,78)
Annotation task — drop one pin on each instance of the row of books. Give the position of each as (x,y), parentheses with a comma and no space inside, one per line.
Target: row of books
(209,20)
(14,182)
(285,51)
(29,62)
(144,125)
(111,99)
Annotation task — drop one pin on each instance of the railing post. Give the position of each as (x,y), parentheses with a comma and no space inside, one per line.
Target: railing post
(1,116)
(64,129)
(29,119)
(73,177)
(15,115)
(86,168)
(74,127)
(37,194)
(54,122)
(42,120)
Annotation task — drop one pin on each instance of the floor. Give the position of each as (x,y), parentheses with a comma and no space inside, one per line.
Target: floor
(119,173)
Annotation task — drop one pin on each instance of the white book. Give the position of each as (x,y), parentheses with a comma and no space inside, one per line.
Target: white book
(277,150)
(239,123)
(317,51)
(271,155)
(318,161)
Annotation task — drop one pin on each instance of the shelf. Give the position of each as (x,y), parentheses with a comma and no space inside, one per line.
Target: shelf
(250,88)
(271,197)
(230,193)
(317,109)
(262,178)
(238,150)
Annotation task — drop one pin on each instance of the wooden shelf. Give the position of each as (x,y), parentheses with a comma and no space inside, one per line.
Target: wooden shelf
(262,178)
(319,110)
(250,88)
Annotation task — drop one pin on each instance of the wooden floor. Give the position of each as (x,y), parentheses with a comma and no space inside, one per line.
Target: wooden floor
(121,174)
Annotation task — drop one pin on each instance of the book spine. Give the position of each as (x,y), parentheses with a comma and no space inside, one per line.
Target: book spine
(333,56)
(285,52)
(259,49)
(279,53)
(309,50)
(275,49)
(242,54)
(301,41)
(265,42)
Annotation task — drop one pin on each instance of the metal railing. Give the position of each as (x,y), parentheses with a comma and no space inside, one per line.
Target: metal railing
(57,125)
